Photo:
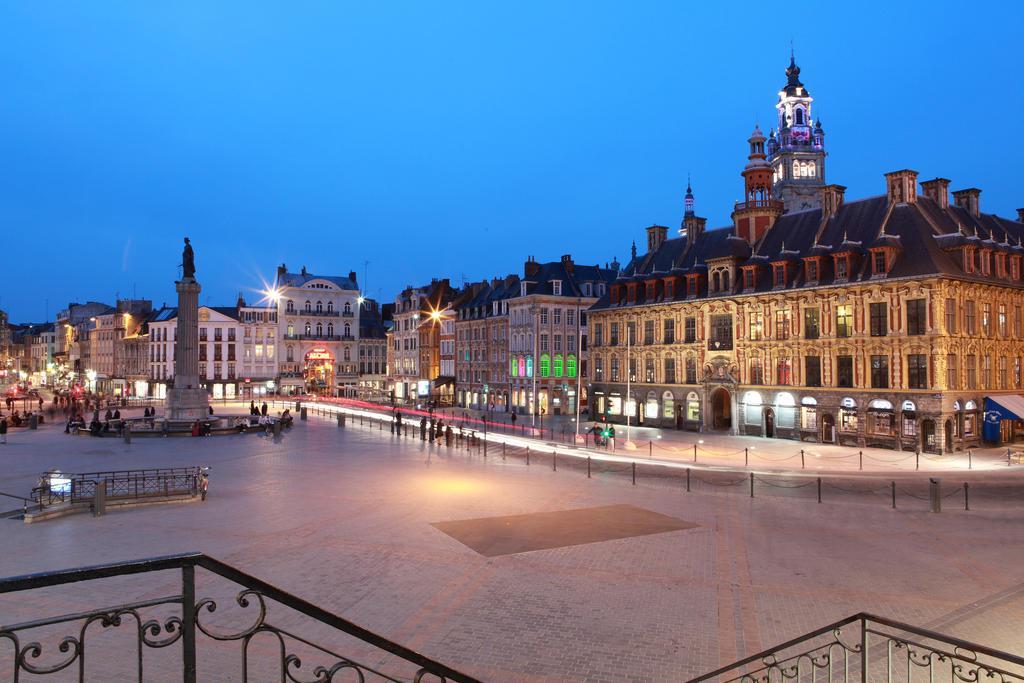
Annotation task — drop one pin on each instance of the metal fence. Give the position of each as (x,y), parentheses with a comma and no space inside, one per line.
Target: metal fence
(122,485)
(869,648)
(250,623)
(894,490)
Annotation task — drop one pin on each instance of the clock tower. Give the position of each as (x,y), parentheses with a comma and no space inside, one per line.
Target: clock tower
(797,151)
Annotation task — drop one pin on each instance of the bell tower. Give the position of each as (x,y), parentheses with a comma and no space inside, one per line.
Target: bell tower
(797,151)
(756,214)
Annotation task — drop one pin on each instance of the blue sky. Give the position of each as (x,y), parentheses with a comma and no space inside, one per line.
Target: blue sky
(449,139)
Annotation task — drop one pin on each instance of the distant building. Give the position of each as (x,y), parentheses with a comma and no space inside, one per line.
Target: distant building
(373,351)
(416,339)
(482,346)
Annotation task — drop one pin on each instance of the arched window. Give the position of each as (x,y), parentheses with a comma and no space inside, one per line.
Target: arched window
(799,116)
(319,306)
(291,330)
(545,365)
(668,405)
(513,367)
(309,306)
(348,308)
(330,307)
(521,362)
(319,329)
(309,329)
(330,329)
(347,354)
(290,306)
(291,354)
(796,169)
(559,365)
(570,365)
(651,405)
(348,330)
(529,366)
(725,280)
(714,281)
(812,169)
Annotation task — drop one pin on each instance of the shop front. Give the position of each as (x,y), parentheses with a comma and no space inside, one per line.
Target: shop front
(318,371)
(1004,419)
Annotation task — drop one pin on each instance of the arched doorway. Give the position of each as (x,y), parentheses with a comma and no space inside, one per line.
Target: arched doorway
(949,436)
(769,423)
(721,409)
(828,428)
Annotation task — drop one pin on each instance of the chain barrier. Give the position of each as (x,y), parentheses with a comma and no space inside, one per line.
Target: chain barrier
(784,486)
(913,495)
(858,492)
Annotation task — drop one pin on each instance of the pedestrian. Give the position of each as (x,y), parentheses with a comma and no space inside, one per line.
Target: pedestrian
(117,414)
(40,404)
(204,485)
(3,430)
(263,408)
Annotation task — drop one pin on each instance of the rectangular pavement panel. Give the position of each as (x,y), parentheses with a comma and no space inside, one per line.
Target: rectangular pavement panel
(494,536)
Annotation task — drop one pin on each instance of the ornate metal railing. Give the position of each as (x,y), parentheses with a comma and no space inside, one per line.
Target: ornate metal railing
(122,484)
(869,648)
(183,621)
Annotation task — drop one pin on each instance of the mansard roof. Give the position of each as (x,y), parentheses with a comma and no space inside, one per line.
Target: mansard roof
(572,283)
(922,232)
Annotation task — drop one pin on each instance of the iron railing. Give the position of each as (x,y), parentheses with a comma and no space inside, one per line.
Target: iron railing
(122,485)
(161,622)
(869,648)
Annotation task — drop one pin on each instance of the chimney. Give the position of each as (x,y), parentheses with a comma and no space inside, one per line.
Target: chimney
(530,268)
(303,270)
(567,263)
(240,303)
(969,199)
(831,199)
(694,226)
(1020,215)
(352,277)
(901,187)
(281,270)
(656,234)
(937,190)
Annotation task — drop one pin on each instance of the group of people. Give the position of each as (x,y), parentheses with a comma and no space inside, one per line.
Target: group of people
(257,412)
(436,430)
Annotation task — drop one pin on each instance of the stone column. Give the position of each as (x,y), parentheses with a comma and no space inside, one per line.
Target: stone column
(187,399)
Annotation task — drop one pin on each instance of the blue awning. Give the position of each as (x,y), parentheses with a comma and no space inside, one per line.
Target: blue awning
(998,408)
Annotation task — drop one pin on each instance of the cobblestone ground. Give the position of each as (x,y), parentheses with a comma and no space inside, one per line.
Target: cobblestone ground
(344,519)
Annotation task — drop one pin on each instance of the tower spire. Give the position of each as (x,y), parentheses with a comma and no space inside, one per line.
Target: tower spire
(688,202)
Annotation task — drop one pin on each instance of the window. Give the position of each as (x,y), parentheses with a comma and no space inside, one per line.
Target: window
(878,263)
(812,329)
(779,275)
(545,365)
(543,342)
(986,319)
(841,268)
(812,371)
(648,332)
(631,333)
(1017,322)
(969,327)
(632,369)
(917,371)
(986,371)
(1001,319)
(844,320)
(755,326)
(721,331)
(543,316)
(970,368)
(950,316)
(1017,372)
(613,339)
(756,371)
(668,332)
(811,269)
(951,372)
(784,371)
(748,278)
(879,372)
(691,330)
(1002,372)
(844,371)
(614,370)
(782,324)
(570,365)
(598,335)
(916,316)
(879,319)
(691,370)
(670,370)
(559,365)
(556,287)
(649,370)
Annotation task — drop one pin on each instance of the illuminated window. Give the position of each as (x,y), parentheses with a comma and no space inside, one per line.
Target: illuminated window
(545,365)
(559,365)
(570,365)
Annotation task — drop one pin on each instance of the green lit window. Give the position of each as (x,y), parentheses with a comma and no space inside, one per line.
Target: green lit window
(559,366)
(545,365)
(529,366)
(513,367)
(570,366)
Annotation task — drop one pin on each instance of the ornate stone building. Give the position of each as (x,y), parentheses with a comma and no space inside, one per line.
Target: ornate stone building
(481,352)
(891,321)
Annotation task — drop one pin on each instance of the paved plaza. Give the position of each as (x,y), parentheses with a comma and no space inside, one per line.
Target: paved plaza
(367,525)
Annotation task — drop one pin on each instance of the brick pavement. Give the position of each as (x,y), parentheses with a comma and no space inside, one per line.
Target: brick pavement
(343,518)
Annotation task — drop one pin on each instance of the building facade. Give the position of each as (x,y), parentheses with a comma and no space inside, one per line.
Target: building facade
(220,335)
(892,321)
(318,325)
(258,364)
(482,346)
(416,342)
(547,322)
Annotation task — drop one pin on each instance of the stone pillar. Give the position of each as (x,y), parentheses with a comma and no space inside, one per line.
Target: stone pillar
(187,400)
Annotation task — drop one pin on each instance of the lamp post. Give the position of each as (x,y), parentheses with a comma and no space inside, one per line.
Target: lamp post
(535,312)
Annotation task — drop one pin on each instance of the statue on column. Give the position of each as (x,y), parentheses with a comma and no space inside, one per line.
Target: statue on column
(188,262)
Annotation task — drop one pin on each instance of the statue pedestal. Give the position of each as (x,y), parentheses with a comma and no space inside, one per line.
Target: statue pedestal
(187,404)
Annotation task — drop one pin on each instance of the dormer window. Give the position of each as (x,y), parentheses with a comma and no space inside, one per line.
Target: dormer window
(670,288)
(725,281)
(556,287)
(1000,265)
(841,267)
(1015,267)
(968,260)
(748,278)
(779,275)
(586,289)
(811,269)
(522,289)
(879,263)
